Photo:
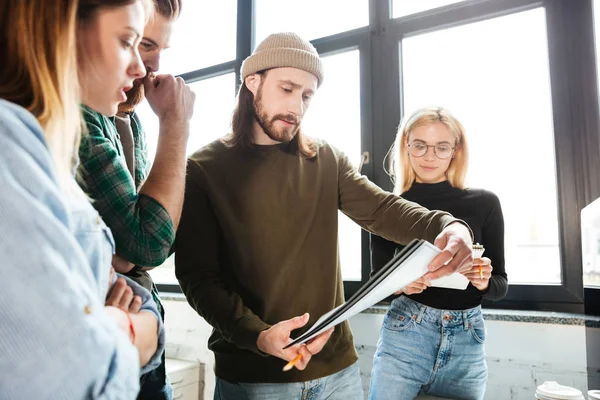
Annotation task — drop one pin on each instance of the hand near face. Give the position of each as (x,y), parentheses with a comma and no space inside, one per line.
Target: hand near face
(170,98)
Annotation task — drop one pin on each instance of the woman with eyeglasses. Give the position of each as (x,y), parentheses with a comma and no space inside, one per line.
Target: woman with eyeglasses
(432,339)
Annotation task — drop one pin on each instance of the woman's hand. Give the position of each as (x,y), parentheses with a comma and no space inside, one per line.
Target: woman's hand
(481,272)
(415,287)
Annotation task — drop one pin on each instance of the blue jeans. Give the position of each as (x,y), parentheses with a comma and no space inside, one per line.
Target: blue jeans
(426,350)
(344,385)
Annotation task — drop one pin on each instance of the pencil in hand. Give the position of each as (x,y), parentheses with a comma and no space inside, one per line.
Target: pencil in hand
(291,364)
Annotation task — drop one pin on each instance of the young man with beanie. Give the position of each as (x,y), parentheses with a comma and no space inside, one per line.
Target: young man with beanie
(142,210)
(256,252)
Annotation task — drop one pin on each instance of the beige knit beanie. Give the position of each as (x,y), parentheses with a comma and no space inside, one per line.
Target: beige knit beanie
(284,50)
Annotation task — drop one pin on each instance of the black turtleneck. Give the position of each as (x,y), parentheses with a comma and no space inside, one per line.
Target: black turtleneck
(481,210)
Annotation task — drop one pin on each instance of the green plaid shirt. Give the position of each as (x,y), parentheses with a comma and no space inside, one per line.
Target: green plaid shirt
(141,226)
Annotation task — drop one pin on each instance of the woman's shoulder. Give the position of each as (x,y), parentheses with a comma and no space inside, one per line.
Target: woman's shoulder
(22,138)
(483,195)
(14,120)
(8,108)
(28,180)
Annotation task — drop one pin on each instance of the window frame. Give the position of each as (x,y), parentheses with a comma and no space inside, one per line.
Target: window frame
(576,119)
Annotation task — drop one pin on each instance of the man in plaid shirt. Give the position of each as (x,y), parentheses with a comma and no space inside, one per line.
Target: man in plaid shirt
(141,209)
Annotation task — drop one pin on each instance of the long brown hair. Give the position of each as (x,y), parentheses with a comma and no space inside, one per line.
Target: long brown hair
(403,173)
(39,71)
(243,118)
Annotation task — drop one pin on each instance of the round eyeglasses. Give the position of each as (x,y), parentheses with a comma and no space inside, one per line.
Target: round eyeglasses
(441,150)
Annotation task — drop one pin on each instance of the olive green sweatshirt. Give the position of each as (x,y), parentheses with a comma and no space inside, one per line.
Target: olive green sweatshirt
(258,244)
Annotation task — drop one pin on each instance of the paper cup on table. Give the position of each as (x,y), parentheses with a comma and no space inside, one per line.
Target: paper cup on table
(554,391)
(594,395)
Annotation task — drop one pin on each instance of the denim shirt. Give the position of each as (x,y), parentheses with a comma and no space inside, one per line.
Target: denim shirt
(96,241)
(55,339)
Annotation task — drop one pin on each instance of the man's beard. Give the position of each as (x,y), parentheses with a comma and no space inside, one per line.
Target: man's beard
(268,124)
(135,96)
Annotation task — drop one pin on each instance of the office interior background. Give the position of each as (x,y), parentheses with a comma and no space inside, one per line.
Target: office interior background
(521,75)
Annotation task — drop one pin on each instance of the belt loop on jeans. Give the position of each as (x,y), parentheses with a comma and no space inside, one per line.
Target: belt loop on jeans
(465,320)
(421,313)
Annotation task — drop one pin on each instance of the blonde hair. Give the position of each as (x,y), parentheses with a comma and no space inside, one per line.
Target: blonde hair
(402,173)
(38,72)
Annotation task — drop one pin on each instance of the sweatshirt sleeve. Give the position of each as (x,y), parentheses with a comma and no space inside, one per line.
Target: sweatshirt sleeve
(383,213)
(382,251)
(493,240)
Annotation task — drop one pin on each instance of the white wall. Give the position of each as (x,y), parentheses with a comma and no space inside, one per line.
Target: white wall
(187,338)
(520,355)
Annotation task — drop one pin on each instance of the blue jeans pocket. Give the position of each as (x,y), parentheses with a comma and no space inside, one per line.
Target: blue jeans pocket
(398,320)
(477,328)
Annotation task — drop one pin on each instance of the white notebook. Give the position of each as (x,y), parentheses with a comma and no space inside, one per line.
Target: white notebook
(407,266)
(454,281)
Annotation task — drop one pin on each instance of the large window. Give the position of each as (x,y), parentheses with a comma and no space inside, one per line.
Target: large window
(515,72)
(590,231)
(312,19)
(211,120)
(493,75)
(194,43)
(402,8)
(336,119)
(212,113)
(590,216)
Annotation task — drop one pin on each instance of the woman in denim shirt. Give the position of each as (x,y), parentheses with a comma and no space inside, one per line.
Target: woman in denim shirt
(58,339)
(108,34)
(432,339)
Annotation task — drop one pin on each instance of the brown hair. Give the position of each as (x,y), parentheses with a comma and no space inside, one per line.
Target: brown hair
(243,118)
(402,172)
(86,14)
(40,76)
(88,9)
(170,9)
